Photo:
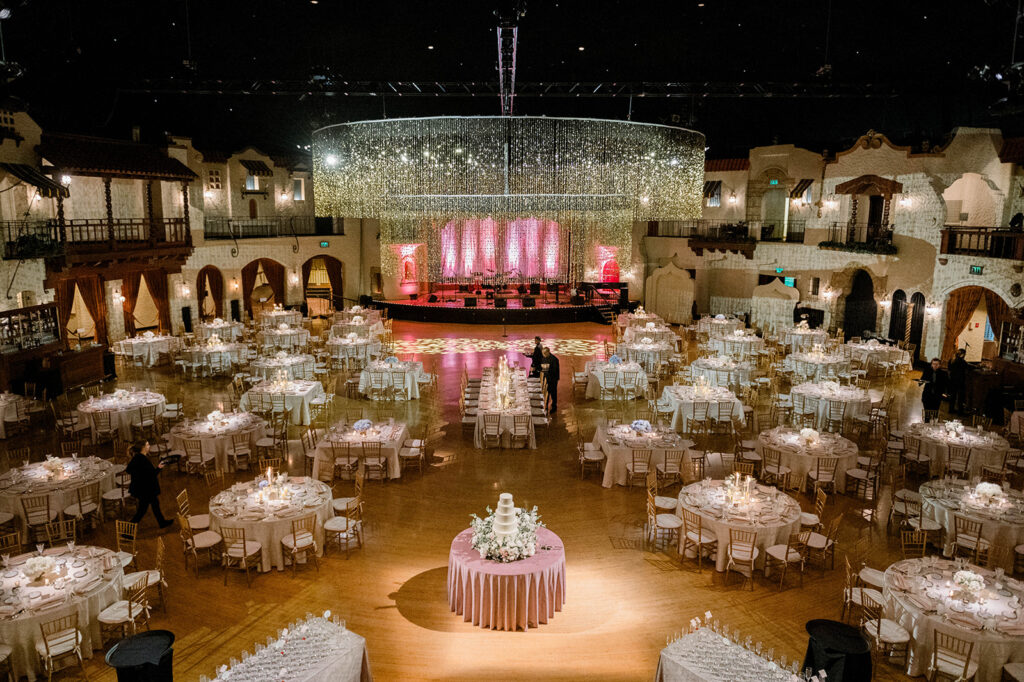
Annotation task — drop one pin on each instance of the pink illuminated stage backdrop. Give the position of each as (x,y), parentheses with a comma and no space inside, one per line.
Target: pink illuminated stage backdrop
(524,248)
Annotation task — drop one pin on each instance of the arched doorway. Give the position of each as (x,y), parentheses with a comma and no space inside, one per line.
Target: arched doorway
(977,303)
(253,210)
(260,273)
(861,308)
(775,210)
(610,271)
(210,292)
(323,285)
(917,310)
(898,316)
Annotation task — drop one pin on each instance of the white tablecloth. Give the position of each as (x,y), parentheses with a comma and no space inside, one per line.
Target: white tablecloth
(944,500)
(1017,423)
(293,337)
(801,457)
(992,649)
(770,531)
(619,454)
(270,530)
(506,422)
(873,352)
(33,480)
(299,366)
(390,436)
(218,355)
(658,334)
(637,319)
(857,400)
(721,371)
(360,348)
(369,314)
(817,367)
(8,408)
(216,438)
(412,371)
(22,633)
(717,327)
(296,399)
(123,409)
(682,398)
(797,340)
(737,346)
(150,349)
(366,330)
(696,657)
(987,448)
(273,318)
(596,376)
(226,331)
(647,354)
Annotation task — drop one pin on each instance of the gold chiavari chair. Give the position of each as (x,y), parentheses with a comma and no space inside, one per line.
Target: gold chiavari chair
(702,541)
(782,555)
(192,543)
(240,553)
(913,543)
(742,553)
(952,657)
(301,542)
(61,639)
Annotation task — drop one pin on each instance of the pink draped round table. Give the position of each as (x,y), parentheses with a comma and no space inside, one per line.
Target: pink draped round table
(513,596)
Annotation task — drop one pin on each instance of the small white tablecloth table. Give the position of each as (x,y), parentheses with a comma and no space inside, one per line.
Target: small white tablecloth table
(857,400)
(412,372)
(507,596)
(874,352)
(720,371)
(315,650)
(719,326)
(60,480)
(682,399)
(618,442)
(215,434)
(987,448)
(298,394)
(390,436)
(733,345)
(597,378)
(268,521)
(816,366)
(639,319)
(226,331)
(216,354)
(647,354)
(92,580)
(506,421)
(797,339)
(295,366)
(1002,518)
(801,456)
(358,347)
(914,589)
(364,329)
(123,406)
(8,407)
(275,318)
(774,515)
(291,337)
(657,333)
(703,656)
(149,350)
(369,314)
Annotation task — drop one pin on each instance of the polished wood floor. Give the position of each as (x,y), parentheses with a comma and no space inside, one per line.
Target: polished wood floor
(622,599)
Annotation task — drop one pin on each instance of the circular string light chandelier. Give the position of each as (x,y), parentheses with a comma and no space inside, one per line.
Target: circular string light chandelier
(492,194)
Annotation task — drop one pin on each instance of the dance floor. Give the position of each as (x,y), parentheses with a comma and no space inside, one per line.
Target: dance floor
(622,600)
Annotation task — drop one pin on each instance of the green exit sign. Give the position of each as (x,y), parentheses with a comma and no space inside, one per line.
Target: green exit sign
(778,271)
(976,269)
(324,244)
(773,182)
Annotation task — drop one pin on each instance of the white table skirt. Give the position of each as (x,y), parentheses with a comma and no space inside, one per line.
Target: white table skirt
(658,335)
(504,428)
(981,456)
(868,354)
(225,332)
(364,349)
(802,341)
(268,368)
(595,380)
(232,354)
(296,404)
(388,449)
(150,350)
(618,456)
(412,377)
(275,317)
(1005,533)
(219,445)
(854,408)
(736,346)
(682,409)
(22,633)
(365,331)
(673,666)
(718,327)
(368,314)
(120,418)
(801,461)
(817,370)
(59,499)
(293,338)
(8,409)
(721,377)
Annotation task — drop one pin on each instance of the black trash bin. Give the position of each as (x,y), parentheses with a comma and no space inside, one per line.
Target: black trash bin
(145,657)
(838,649)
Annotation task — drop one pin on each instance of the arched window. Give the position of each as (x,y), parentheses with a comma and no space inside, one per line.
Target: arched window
(610,271)
(898,315)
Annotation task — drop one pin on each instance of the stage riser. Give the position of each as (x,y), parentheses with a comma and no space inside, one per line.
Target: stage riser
(489,315)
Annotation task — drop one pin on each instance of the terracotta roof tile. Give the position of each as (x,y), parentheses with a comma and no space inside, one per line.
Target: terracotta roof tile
(100,156)
(719,165)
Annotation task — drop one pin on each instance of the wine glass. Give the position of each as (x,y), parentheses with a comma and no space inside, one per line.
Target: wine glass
(39,548)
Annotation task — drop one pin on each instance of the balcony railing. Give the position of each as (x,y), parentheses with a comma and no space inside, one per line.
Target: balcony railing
(743,231)
(274,226)
(91,235)
(989,242)
(31,239)
(869,238)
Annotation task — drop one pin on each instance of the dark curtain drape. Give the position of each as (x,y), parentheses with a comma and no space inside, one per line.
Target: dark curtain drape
(248,284)
(211,279)
(156,281)
(130,291)
(998,312)
(96,303)
(64,293)
(275,278)
(959,308)
(306,268)
(898,316)
(334,274)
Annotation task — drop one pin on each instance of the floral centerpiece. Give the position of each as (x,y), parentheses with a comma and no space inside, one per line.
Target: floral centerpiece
(987,493)
(647,340)
(283,327)
(802,324)
(356,308)
(954,428)
(739,332)
(615,360)
(38,566)
(218,322)
(809,436)
(641,426)
(651,325)
(970,584)
(358,319)
(281,354)
(215,416)
(352,336)
(120,394)
(213,341)
(363,425)
(391,360)
(639,312)
(148,335)
(53,465)
(521,543)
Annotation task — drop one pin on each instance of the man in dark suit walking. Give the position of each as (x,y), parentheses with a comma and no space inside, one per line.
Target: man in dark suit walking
(549,368)
(145,484)
(535,357)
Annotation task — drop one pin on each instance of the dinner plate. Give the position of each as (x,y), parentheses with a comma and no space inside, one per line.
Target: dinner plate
(77,563)
(34,594)
(81,573)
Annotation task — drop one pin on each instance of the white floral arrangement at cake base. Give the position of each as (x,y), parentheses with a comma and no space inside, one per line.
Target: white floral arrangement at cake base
(968,581)
(641,426)
(53,465)
(520,544)
(719,316)
(987,492)
(363,425)
(639,310)
(738,332)
(809,436)
(954,427)
(802,325)
(38,566)
(283,327)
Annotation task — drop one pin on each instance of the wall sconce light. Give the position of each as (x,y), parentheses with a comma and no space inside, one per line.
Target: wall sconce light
(284,195)
(933,309)
(118,298)
(645,200)
(831,204)
(208,193)
(186,291)
(828,293)
(65,180)
(905,202)
(293,278)
(886,301)
(35,197)
(733,199)
(234,284)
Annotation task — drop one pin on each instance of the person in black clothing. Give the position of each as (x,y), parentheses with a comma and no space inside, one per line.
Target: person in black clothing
(536,357)
(145,485)
(935,381)
(549,366)
(957,380)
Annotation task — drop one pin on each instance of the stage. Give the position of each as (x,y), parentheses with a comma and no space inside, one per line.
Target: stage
(455,310)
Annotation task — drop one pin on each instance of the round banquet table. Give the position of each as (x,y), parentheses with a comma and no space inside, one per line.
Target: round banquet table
(800,457)
(513,596)
(857,400)
(216,438)
(364,329)
(816,366)
(226,331)
(230,353)
(905,592)
(268,530)
(657,334)
(719,327)
(273,318)
(347,347)
(89,594)
(802,339)
(732,345)
(683,398)
(596,376)
(772,530)
(838,649)
(874,352)
(32,480)
(297,366)
(987,448)
(647,354)
(150,349)
(618,442)
(944,499)
(721,371)
(292,337)
(123,410)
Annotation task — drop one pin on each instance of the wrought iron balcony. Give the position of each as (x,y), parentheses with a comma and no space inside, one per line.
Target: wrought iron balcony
(742,231)
(31,239)
(867,238)
(988,242)
(272,226)
(85,239)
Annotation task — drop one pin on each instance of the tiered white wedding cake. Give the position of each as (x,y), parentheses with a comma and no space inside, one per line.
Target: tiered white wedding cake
(507,534)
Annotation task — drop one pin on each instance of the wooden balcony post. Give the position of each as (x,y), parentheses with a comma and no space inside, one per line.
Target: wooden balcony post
(110,212)
(944,245)
(184,206)
(61,230)
(149,214)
